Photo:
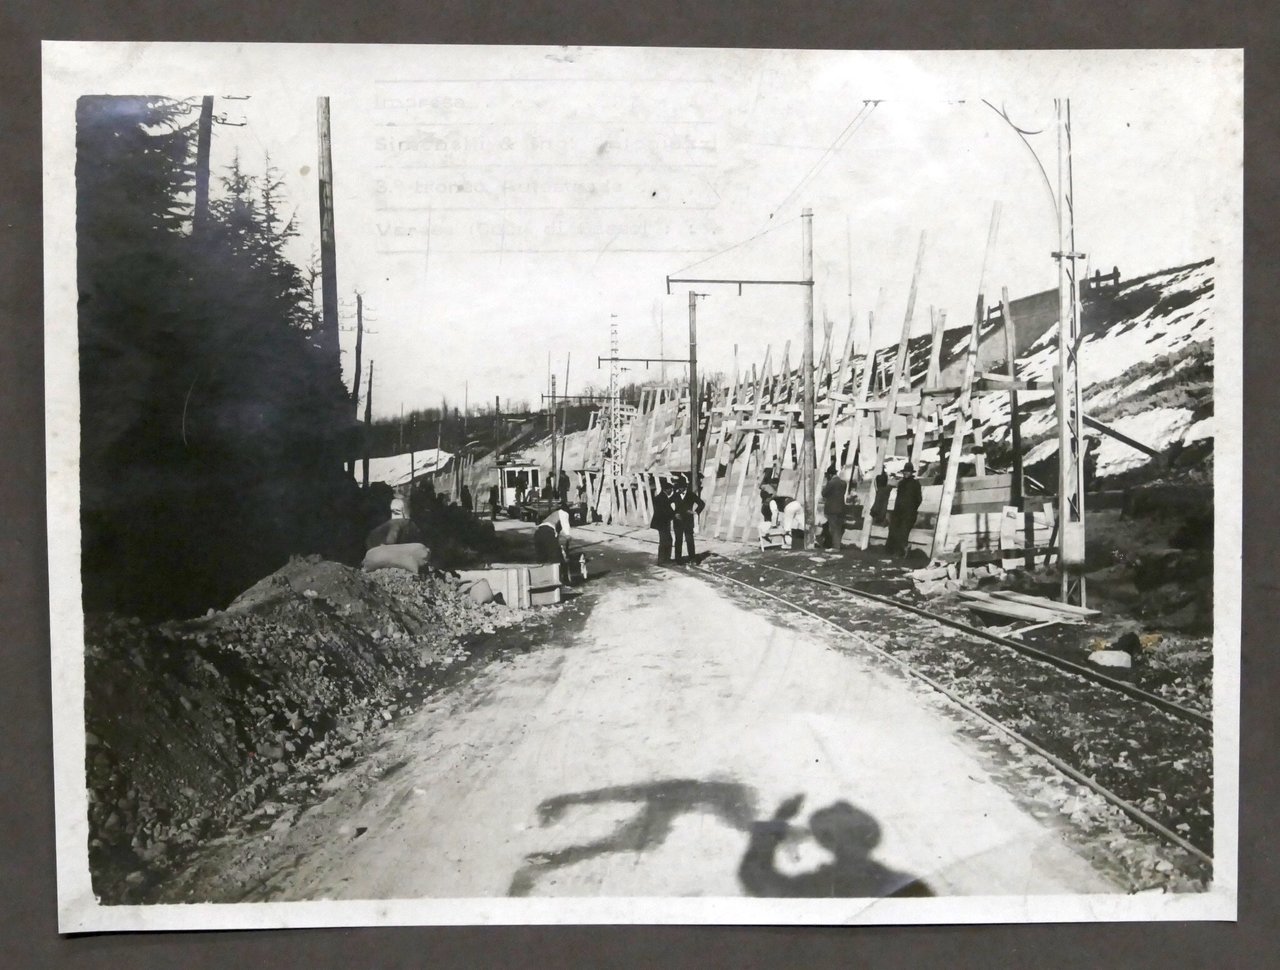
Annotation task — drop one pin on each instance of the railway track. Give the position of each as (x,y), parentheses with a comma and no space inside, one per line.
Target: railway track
(1147,756)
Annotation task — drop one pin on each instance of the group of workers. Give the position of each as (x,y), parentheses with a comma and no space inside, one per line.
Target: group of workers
(784,515)
(676,507)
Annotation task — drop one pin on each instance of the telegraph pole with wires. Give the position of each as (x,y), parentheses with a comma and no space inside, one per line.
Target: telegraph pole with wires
(809,442)
(328,336)
(1071,525)
(614,471)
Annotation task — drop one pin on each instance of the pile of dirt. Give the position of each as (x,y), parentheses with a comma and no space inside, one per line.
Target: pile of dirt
(190,725)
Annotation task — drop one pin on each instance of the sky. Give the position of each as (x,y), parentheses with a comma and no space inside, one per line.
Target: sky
(498,207)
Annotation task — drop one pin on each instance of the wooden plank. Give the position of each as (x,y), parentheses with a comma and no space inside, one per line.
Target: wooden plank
(734,448)
(987,604)
(710,483)
(939,324)
(748,452)
(965,404)
(723,455)
(904,338)
(1043,603)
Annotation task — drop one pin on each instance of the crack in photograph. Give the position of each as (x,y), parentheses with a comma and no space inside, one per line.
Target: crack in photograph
(894,580)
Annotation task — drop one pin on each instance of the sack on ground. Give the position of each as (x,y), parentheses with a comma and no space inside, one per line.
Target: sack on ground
(409,556)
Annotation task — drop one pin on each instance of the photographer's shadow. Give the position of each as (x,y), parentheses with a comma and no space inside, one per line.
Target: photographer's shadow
(848,833)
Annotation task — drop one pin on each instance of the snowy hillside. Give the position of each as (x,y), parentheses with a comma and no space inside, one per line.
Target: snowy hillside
(1146,366)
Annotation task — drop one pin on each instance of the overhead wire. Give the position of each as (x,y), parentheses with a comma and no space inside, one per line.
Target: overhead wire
(851,129)
(842,139)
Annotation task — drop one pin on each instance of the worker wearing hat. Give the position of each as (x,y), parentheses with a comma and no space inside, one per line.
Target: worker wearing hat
(906,506)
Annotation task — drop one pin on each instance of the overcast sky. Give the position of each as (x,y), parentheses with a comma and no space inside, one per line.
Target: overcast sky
(496,205)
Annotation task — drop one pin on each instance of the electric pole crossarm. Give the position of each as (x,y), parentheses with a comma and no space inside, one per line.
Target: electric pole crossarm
(736,282)
(642,360)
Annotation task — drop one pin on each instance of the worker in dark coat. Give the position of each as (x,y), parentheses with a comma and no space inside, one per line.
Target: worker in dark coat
(396,530)
(663,516)
(880,504)
(833,506)
(551,537)
(905,508)
(494,501)
(466,499)
(686,506)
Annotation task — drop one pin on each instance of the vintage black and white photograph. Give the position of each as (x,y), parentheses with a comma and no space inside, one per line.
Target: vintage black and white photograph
(532,485)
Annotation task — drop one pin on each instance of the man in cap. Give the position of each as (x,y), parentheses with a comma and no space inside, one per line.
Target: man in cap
(550,534)
(662,518)
(906,505)
(686,507)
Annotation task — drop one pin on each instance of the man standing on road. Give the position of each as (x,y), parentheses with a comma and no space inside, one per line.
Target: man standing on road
(494,501)
(687,505)
(833,506)
(663,516)
(905,507)
(549,534)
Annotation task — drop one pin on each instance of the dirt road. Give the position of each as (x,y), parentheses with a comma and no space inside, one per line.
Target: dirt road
(663,738)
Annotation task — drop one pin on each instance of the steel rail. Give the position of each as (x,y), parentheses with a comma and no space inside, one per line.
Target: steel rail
(1033,653)
(1135,813)
(1168,706)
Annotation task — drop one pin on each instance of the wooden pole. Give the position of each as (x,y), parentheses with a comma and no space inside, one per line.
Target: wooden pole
(554,483)
(564,421)
(355,391)
(938,320)
(327,339)
(694,419)
(204,136)
(1015,429)
(964,415)
(891,408)
(809,445)
(368,426)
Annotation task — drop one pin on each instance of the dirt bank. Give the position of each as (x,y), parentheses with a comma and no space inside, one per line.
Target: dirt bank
(245,712)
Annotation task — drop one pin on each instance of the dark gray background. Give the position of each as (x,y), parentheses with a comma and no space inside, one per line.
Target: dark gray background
(28,931)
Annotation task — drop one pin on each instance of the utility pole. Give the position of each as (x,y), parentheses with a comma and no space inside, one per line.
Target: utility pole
(808,441)
(564,420)
(662,350)
(554,481)
(497,429)
(695,420)
(368,425)
(614,470)
(328,336)
(809,446)
(204,136)
(1071,525)
(355,393)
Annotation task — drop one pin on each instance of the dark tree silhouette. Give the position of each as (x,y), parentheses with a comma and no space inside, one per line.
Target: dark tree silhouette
(212,433)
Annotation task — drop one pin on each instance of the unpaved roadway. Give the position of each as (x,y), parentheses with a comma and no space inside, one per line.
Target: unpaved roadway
(634,749)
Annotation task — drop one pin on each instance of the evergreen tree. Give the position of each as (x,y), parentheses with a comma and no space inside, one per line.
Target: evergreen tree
(212,432)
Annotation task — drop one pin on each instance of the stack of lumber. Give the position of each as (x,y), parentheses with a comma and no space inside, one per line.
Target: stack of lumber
(1021,606)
